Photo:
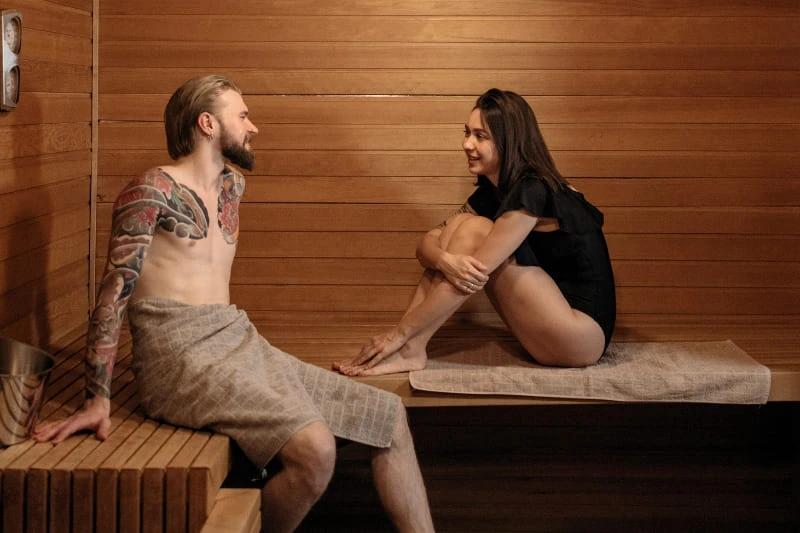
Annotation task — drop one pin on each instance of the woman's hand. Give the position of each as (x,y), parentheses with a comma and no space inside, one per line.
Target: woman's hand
(93,416)
(464,272)
(376,350)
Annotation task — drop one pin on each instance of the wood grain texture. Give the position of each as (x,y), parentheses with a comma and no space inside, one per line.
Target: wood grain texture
(679,121)
(45,170)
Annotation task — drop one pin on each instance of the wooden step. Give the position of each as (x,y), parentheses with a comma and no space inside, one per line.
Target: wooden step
(235,511)
(146,476)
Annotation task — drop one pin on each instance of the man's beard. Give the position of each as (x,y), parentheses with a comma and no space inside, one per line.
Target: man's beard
(237,153)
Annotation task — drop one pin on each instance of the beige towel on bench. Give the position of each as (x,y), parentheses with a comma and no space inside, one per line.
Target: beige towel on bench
(710,372)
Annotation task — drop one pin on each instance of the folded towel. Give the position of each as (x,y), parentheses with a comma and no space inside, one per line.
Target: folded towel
(703,372)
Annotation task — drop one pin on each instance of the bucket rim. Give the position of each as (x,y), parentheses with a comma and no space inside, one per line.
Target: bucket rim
(38,352)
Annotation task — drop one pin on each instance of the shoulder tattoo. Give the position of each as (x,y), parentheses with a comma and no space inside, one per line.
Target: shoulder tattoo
(155,199)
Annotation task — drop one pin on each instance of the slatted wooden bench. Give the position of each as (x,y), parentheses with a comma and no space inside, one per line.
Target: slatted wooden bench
(149,476)
(146,476)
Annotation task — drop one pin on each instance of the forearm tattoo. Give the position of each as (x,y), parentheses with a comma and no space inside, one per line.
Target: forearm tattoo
(466,208)
(150,201)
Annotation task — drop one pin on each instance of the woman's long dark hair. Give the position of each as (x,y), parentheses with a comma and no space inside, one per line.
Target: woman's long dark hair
(520,145)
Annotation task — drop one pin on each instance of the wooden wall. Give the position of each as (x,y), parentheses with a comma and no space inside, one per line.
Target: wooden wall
(679,119)
(45,174)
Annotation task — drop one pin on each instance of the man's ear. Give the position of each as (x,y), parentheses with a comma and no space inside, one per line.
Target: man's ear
(206,124)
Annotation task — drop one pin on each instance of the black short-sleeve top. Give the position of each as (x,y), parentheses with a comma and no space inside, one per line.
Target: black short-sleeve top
(575,255)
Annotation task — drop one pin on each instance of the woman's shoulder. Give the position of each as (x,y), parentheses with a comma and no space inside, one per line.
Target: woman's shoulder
(565,203)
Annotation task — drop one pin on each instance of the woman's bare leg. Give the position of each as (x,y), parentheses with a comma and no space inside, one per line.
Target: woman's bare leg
(539,316)
(463,235)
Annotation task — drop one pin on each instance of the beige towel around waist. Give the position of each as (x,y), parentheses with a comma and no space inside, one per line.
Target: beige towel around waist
(706,372)
(206,366)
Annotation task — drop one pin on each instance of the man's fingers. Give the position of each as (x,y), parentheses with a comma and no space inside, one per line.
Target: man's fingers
(103,430)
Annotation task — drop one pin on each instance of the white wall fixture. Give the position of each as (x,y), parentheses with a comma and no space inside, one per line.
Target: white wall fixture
(12,44)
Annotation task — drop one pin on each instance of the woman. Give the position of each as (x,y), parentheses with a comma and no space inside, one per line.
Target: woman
(526,236)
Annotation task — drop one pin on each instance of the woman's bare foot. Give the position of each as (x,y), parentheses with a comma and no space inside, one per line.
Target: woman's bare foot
(408,358)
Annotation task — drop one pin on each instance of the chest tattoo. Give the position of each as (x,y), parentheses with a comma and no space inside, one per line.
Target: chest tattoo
(228,205)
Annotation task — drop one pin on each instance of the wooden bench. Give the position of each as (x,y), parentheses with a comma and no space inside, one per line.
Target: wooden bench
(149,476)
(146,476)
(322,339)
(494,463)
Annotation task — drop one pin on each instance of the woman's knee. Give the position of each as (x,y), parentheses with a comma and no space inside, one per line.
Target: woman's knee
(469,234)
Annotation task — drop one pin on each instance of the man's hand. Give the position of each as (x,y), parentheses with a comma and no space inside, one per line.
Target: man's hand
(93,416)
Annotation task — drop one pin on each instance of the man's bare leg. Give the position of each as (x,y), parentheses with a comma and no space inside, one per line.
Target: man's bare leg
(399,483)
(308,460)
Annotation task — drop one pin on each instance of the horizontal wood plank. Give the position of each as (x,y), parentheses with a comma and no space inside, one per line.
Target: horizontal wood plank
(46,323)
(33,203)
(31,234)
(28,267)
(28,172)
(397,244)
(664,137)
(83,5)
(57,47)
(407,273)
(512,8)
(365,217)
(697,83)
(358,26)
(47,108)
(328,54)
(32,140)
(634,192)
(42,75)
(572,164)
(33,296)
(641,300)
(445,109)
(55,18)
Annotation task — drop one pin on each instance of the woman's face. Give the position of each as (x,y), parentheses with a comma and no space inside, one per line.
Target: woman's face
(479,146)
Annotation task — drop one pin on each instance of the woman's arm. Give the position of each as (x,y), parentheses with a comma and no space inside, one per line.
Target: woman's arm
(456,268)
(507,234)
(444,299)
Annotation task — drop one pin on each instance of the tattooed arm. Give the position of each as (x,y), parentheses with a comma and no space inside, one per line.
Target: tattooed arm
(151,200)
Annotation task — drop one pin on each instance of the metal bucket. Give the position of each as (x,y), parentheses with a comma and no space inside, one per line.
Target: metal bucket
(24,370)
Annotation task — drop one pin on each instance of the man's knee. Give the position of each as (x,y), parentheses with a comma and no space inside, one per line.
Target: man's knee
(310,456)
(401,437)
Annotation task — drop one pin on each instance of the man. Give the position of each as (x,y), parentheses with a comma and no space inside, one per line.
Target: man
(199,362)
